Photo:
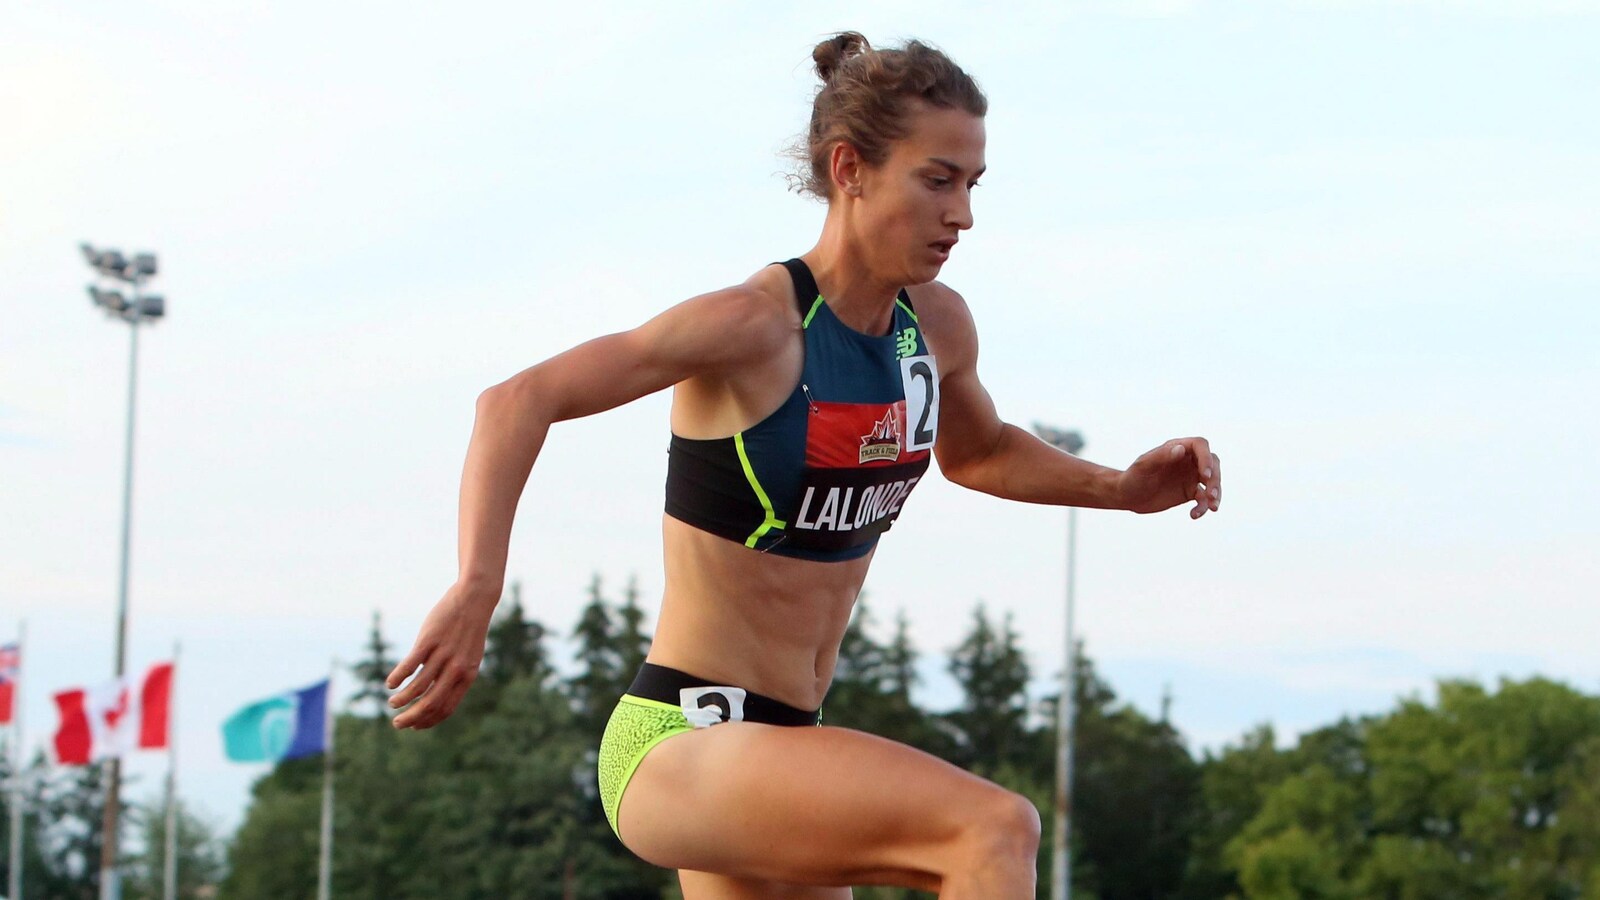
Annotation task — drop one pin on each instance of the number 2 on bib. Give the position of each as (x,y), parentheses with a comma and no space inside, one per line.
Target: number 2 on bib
(920,377)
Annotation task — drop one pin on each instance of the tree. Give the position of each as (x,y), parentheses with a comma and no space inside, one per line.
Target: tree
(1233,785)
(71,808)
(1135,789)
(372,672)
(633,639)
(1480,795)
(274,852)
(199,852)
(43,873)
(600,677)
(993,675)
(515,646)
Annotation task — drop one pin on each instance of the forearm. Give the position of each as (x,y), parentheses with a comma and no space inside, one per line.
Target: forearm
(507,434)
(1020,466)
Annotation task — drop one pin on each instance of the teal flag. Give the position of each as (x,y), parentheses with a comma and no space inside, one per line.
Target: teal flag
(288,726)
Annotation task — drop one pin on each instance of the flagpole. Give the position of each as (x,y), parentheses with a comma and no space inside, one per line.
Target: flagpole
(169,861)
(14,889)
(325,858)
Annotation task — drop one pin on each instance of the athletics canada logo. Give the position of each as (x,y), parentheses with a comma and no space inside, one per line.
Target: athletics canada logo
(883,442)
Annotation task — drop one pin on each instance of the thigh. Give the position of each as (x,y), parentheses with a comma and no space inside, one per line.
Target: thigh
(706,886)
(803,806)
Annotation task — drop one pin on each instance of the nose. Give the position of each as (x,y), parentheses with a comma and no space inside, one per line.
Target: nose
(959,215)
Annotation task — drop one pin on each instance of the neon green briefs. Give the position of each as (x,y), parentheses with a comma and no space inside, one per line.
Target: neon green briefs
(636,725)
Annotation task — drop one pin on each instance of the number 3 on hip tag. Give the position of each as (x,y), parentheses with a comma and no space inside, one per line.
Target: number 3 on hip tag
(921,379)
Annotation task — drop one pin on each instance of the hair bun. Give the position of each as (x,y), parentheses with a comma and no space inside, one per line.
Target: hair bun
(835,51)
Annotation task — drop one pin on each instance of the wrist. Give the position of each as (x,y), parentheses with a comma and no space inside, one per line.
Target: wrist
(479,588)
(1113,490)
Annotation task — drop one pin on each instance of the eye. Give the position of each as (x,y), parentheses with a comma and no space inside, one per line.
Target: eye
(937,182)
(972,185)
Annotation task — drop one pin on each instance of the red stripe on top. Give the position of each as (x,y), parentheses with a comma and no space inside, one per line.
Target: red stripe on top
(854,435)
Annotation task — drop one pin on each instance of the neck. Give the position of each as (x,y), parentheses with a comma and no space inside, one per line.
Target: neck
(859,297)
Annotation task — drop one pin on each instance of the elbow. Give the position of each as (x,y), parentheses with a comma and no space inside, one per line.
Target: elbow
(967,473)
(518,396)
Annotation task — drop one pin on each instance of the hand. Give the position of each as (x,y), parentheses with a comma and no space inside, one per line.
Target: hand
(448,650)
(1177,472)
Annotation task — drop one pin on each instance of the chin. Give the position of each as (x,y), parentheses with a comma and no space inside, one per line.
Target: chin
(922,273)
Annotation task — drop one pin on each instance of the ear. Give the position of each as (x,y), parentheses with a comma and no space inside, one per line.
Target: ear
(845,167)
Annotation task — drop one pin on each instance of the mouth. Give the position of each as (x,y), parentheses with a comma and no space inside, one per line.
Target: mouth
(943,247)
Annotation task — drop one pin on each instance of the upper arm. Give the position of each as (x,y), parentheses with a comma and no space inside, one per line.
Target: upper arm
(705,335)
(969,427)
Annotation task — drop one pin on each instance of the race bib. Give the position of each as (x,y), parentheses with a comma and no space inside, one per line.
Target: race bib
(920,376)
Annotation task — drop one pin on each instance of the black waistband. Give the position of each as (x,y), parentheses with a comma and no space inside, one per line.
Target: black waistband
(664,685)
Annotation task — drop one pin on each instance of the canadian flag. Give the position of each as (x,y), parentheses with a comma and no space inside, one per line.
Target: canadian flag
(110,721)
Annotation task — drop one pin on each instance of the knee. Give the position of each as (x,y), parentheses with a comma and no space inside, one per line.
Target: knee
(1005,829)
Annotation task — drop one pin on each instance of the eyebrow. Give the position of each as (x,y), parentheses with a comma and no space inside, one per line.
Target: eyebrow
(955,168)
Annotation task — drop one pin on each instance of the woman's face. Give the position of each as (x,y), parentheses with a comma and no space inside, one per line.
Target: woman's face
(912,207)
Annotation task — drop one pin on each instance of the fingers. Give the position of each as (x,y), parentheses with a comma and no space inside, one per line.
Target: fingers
(1216,482)
(438,698)
(406,666)
(1207,490)
(418,686)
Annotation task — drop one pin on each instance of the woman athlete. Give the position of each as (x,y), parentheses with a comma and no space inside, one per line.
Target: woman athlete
(806,402)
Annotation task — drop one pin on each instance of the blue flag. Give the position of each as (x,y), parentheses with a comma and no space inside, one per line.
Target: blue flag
(287,726)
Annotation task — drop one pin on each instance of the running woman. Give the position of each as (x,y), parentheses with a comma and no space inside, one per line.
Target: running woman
(807,403)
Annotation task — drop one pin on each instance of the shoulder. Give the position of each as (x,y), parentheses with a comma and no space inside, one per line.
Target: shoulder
(735,323)
(946,323)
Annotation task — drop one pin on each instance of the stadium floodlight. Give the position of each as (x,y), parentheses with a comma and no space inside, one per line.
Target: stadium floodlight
(112,263)
(133,309)
(112,301)
(1061,849)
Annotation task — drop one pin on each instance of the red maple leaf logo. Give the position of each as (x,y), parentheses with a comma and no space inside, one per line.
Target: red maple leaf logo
(113,714)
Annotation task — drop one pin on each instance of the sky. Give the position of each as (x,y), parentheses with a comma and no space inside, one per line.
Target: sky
(1351,243)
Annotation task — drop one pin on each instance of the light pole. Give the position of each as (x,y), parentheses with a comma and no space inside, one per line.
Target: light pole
(1061,849)
(134,309)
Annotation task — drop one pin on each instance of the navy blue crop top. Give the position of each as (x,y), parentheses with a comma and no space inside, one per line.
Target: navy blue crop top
(827,472)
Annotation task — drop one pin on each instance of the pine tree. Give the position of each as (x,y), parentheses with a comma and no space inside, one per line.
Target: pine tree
(993,675)
(372,672)
(71,809)
(515,644)
(200,854)
(599,681)
(41,876)
(633,641)
(900,659)
(855,699)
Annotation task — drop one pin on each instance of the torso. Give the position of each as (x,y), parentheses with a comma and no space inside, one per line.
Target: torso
(769,623)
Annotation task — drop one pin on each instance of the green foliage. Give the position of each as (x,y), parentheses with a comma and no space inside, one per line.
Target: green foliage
(496,802)
(1492,794)
(372,672)
(69,807)
(1479,795)
(1136,792)
(200,857)
(515,644)
(993,675)
(872,685)
(54,851)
